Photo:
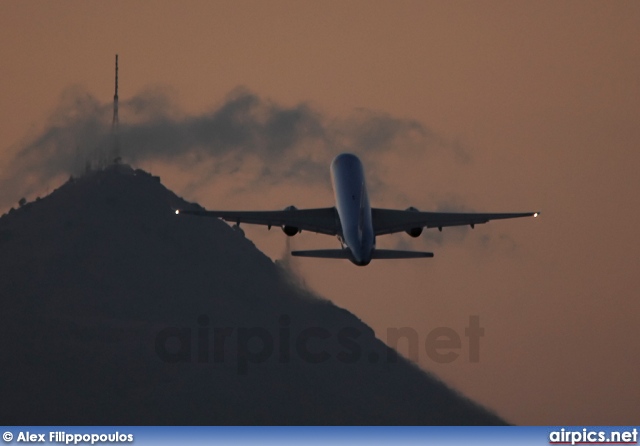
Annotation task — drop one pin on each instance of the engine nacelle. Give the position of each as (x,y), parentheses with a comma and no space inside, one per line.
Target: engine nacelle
(414,232)
(290,230)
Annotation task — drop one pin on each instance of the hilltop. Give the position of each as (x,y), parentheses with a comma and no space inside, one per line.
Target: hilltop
(115,311)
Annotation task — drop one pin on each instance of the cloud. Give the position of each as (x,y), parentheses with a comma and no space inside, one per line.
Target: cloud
(289,143)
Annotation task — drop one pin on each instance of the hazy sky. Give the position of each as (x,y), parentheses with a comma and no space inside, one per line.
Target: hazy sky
(485,106)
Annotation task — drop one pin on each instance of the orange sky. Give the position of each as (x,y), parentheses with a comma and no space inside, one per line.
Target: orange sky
(543,99)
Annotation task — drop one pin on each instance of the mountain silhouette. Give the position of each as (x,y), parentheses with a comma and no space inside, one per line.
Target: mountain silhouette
(116,311)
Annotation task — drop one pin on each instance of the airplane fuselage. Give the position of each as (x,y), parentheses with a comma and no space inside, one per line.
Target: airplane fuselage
(354,210)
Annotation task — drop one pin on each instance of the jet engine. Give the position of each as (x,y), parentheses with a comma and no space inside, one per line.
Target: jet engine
(414,232)
(290,230)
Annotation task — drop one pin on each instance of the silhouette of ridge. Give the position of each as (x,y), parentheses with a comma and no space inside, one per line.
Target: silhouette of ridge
(113,310)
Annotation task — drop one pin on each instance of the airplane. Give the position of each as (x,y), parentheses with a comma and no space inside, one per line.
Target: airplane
(353,221)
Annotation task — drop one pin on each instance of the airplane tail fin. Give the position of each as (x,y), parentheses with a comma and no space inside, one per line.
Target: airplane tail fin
(397,254)
(324,253)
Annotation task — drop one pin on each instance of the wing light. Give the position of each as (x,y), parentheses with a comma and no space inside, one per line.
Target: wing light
(535,214)
(177,211)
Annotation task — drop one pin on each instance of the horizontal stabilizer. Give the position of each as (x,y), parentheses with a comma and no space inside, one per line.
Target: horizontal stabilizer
(396,254)
(324,253)
(377,254)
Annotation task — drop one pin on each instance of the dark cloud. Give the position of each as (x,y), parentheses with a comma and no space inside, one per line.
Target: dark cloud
(381,132)
(293,144)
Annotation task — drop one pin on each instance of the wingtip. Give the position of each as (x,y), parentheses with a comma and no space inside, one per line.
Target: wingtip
(536,214)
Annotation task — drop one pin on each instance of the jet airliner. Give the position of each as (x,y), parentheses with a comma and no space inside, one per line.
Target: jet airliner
(353,220)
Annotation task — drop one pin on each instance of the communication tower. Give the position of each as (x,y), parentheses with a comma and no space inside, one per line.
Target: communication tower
(114,124)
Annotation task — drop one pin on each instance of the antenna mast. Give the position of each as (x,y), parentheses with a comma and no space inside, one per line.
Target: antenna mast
(114,123)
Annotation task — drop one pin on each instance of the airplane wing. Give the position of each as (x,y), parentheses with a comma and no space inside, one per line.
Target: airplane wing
(388,221)
(321,220)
